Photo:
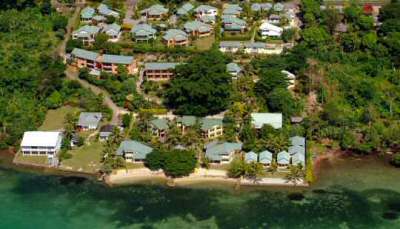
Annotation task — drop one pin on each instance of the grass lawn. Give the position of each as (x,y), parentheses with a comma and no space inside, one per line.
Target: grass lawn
(55,118)
(85,159)
(33,160)
(204,43)
(134,165)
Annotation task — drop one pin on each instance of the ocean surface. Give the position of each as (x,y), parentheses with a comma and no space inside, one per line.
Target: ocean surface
(350,193)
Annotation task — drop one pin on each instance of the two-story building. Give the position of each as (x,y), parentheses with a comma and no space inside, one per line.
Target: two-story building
(212,128)
(89,120)
(133,151)
(175,37)
(267,29)
(198,28)
(222,152)
(86,33)
(233,24)
(206,10)
(113,31)
(159,128)
(41,143)
(143,32)
(155,12)
(158,71)
(185,122)
(87,14)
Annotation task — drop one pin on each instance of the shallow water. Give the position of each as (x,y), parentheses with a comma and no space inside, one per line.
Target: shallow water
(350,194)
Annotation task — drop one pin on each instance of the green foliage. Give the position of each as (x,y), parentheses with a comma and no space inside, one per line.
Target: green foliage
(155,160)
(201,87)
(396,160)
(239,168)
(270,80)
(316,37)
(281,100)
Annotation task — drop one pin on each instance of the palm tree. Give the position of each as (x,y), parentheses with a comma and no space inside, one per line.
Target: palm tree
(296,174)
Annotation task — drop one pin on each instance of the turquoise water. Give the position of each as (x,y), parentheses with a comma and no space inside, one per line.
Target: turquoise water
(346,197)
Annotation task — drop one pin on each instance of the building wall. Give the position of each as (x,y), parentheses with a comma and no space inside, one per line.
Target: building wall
(159,75)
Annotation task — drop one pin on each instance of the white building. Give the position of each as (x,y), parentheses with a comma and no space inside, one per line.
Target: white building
(291,78)
(258,120)
(269,30)
(41,143)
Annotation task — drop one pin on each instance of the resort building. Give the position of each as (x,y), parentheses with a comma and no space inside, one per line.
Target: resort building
(206,10)
(113,31)
(233,24)
(143,32)
(159,71)
(198,28)
(265,158)
(41,143)
(232,9)
(269,30)
(108,63)
(283,159)
(258,120)
(234,69)
(230,46)
(296,149)
(185,9)
(298,141)
(222,152)
(255,48)
(106,131)
(86,33)
(133,151)
(298,158)
(257,7)
(89,120)
(212,127)
(175,37)
(159,128)
(104,10)
(87,14)
(208,19)
(99,19)
(155,12)
(185,122)
(250,157)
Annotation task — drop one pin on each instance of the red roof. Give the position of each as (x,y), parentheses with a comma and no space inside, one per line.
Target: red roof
(368,9)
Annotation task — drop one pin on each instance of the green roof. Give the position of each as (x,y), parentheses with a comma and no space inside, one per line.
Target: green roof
(298,158)
(84,54)
(204,8)
(297,150)
(283,157)
(175,34)
(185,8)
(232,9)
(159,66)
(139,149)
(187,120)
(208,123)
(112,29)
(250,157)
(87,13)
(215,150)
(191,26)
(233,67)
(298,141)
(117,59)
(156,9)
(105,10)
(160,123)
(265,157)
(143,30)
(86,31)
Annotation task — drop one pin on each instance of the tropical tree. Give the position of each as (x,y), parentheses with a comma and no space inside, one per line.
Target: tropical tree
(296,174)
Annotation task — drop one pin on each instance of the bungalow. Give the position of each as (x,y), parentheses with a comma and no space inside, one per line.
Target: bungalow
(106,131)
(283,159)
(233,24)
(185,122)
(108,63)
(234,69)
(143,32)
(270,30)
(113,31)
(258,120)
(296,150)
(206,10)
(40,143)
(222,152)
(155,12)
(89,120)
(250,157)
(175,37)
(298,158)
(212,127)
(133,151)
(159,128)
(232,9)
(208,19)
(298,141)
(197,28)
(184,9)
(99,19)
(159,71)
(265,157)
(230,46)
(255,48)
(87,14)
(279,7)
(106,11)
(86,33)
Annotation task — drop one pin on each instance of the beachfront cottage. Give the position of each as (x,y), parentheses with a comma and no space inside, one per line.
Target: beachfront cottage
(250,157)
(87,14)
(143,32)
(185,122)
(175,37)
(258,120)
(86,33)
(113,31)
(106,11)
(106,131)
(234,69)
(206,10)
(230,46)
(89,120)
(108,63)
(233,24)
(41,143)
(298,158)
(198,28)
(222,152)
(185,9)
(155,12)
(232,9)
(283,159)
(296,150)
(265,158)
(159,128)
(269,30)
(133,151)
(212,127)
(154,71)
(298,141)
